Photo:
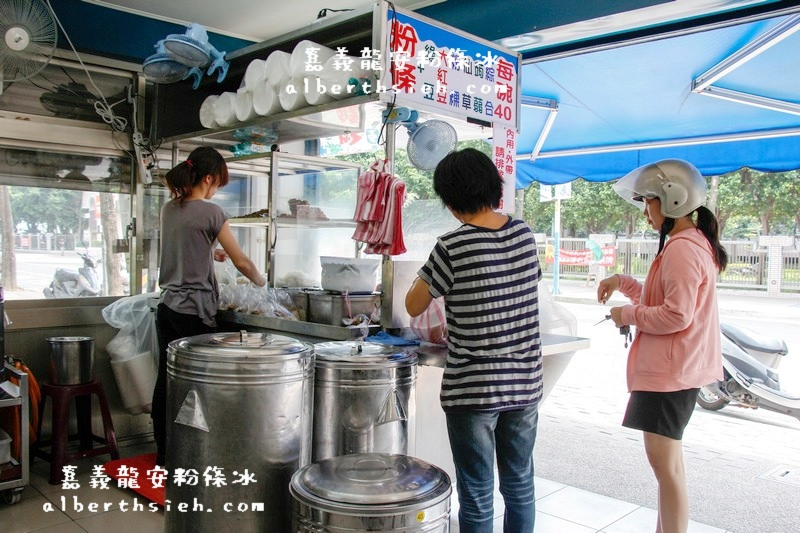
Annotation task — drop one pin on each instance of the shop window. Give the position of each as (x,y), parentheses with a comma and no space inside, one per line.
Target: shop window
(63,222)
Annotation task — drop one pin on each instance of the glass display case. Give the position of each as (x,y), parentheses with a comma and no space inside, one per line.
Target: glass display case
(288,210)
(313,201)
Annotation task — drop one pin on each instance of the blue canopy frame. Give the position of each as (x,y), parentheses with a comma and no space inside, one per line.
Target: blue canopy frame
(722,99)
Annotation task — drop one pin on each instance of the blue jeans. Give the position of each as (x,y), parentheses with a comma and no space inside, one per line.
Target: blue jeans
(474,437)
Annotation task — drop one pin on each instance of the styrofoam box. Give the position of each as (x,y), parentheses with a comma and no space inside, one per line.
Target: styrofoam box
(5,447)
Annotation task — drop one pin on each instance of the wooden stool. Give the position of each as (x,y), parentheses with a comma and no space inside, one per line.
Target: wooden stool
(62,396)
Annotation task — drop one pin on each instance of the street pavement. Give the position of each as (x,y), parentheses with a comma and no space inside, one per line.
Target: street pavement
(743,465)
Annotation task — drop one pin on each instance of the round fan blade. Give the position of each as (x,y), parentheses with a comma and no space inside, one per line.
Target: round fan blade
(430,142)
(27,39)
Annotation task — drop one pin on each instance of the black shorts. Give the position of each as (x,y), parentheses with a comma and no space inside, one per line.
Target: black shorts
(664,413)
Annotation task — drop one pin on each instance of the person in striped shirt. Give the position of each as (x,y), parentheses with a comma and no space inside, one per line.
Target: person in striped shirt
(488,272)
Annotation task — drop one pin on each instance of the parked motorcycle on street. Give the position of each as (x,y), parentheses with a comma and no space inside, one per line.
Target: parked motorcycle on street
(750,361)
(71,284)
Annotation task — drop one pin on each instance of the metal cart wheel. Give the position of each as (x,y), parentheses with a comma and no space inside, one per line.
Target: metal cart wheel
(12,496)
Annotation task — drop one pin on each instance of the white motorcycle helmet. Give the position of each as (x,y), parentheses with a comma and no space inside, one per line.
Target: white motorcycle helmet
(678,184)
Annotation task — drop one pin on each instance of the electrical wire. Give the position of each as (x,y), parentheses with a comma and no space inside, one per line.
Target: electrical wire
(391,105)
(324,12)
(101,106)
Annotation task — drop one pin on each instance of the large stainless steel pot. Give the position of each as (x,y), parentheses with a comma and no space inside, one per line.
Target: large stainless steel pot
(238,405)
(370,492)
(364,399)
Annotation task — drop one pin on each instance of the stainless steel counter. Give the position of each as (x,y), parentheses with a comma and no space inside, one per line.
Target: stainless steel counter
(305,331)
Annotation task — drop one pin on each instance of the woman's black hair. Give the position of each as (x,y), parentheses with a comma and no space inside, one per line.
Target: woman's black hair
(467,181)
(202,162)
(707,223)
(666,227)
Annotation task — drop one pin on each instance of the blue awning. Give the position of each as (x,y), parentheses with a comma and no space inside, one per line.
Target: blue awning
(623,107)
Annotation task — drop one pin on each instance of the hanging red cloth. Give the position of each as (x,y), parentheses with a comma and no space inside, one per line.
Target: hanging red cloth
(379,211)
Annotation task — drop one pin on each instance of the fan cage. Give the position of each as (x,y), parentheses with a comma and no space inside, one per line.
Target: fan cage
(22,20)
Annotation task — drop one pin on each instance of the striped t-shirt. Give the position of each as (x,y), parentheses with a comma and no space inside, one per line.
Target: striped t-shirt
(489,282)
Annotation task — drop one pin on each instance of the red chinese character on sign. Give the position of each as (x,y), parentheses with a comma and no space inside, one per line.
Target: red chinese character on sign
(504,93)
(406,79)
(441,76)
(404,38)
(505,70)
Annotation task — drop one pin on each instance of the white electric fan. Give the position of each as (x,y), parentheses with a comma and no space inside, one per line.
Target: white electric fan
(161,67)
(193,49)
(27,38)
(428,142)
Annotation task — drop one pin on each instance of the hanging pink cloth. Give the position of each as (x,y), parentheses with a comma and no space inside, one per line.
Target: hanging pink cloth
(379,211)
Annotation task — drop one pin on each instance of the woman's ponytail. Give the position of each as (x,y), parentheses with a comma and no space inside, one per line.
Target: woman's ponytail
(202,162)
(707,223)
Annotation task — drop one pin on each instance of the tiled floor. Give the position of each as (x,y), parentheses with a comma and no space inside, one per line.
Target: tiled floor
(560,509)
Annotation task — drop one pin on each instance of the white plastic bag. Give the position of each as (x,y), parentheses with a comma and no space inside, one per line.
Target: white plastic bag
(134,350)
(431,325)
(136,321)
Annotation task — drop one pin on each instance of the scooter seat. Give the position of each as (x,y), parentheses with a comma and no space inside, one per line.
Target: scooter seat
(752,340)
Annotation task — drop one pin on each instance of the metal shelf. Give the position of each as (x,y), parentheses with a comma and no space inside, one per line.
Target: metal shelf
(14,475)
(310,122)
(249,221)
(299,223)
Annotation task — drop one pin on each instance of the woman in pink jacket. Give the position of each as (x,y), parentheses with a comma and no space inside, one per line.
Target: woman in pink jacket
(677,346)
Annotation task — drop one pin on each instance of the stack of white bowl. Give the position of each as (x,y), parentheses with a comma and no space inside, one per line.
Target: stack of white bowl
(283,82)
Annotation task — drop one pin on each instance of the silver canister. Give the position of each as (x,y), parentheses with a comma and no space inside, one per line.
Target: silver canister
(71,360)
(371,492)
(364,399)
(239,421)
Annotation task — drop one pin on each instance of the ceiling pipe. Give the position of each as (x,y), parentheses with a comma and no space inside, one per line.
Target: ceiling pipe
(546,104)
(761,44)
(752,99)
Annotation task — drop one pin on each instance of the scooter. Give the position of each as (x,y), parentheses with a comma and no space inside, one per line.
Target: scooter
(749,360)
(70,284)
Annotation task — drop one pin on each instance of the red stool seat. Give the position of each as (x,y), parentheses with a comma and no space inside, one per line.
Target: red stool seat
(62,396)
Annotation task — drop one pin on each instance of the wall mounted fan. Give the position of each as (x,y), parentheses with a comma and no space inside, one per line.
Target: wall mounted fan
(428,142)
(193,49)
(27,38)
(162,67)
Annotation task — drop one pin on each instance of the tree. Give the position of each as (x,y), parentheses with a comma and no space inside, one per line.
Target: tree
(109,219)
(46,210)
(9,267)
(596,208)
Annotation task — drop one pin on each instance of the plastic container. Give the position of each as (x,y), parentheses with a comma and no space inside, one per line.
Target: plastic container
(348,274)
(244,105)
(225,108)
(277,69)
(266,100)
(308,58)
(292,96)
(5,447)
(255,74)
(207,115)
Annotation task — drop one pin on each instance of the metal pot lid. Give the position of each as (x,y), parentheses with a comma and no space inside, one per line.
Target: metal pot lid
(366,352)
(372,478)
(240,343)
(68,339)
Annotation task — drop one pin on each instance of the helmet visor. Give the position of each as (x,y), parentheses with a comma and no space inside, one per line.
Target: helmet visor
(639,185)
